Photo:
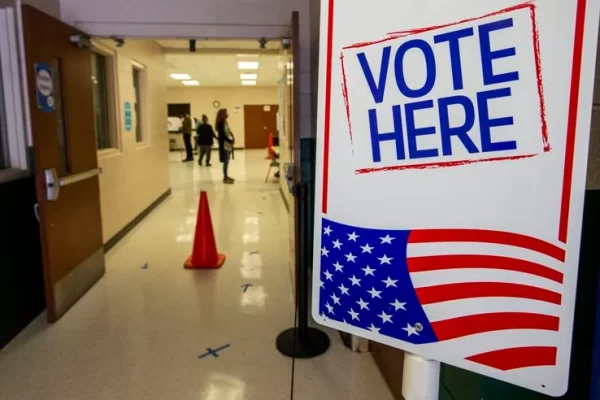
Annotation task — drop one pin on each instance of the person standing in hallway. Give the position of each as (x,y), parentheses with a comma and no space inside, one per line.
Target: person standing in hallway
(225,138)
(186,128)
(206,134)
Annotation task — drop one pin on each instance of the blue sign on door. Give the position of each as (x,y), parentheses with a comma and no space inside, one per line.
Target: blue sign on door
(44,87)
(128,116)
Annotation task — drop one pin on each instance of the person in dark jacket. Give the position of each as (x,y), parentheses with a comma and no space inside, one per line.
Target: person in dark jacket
(226,140)
(206,136)
(186,128)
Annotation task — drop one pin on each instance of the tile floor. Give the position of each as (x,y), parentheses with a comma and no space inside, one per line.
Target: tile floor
(137,334)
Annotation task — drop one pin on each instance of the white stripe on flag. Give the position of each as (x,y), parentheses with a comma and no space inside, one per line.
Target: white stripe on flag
(454,248)
(490,341)
(463,275)
(462,308)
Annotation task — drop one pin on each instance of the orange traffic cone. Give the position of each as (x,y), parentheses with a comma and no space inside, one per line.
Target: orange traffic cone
(204,254)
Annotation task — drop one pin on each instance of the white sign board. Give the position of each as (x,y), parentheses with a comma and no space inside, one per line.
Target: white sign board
(451,163)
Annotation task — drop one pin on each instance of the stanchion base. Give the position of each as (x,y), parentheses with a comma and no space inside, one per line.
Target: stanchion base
(316,343)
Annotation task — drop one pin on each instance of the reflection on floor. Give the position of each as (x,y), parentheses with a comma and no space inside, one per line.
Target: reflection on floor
(140,332)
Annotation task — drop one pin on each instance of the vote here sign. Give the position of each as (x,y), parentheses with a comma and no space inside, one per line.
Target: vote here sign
(452,148)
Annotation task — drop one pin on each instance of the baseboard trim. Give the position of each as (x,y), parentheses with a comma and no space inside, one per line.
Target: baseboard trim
(287,206)
(121,234)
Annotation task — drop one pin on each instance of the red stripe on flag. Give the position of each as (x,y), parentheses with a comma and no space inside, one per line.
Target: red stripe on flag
(518,357)
(486,236)
(457,291)
(435,263)
(474,324)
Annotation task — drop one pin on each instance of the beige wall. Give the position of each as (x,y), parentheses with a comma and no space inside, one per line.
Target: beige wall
(201,101)
(135,174)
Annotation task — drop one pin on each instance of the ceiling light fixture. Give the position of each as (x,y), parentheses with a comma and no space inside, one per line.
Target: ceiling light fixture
(191,83)
(248,83)
(247,64)
(248,77)
(248,56)
(180,77)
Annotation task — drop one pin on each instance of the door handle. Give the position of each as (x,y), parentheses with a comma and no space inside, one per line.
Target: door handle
(54,183)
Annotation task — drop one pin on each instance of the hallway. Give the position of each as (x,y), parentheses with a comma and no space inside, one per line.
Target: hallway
(139,332)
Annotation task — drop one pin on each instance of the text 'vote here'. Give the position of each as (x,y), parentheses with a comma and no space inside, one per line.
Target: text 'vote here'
(446,96)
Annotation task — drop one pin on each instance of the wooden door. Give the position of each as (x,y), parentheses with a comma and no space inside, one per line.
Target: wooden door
(64,151)
(259,121)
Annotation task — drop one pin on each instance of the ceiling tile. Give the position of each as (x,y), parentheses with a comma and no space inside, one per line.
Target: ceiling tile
(217,70)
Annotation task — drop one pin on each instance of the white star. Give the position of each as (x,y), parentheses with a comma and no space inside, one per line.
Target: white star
(363,304)
(337,244)
(321,284)
(338,267)
(344,289)
(385,260)
(328,275)
(390,282)
(336,300)
(372,328)
(388,239)
(355,281)
(329,308)
(327,231)
(350,257)
(374,293)
(324,252)
(411,330)
(398,306)
(353,236)
(385,318)
(366,248)
(354,315)
(368,271)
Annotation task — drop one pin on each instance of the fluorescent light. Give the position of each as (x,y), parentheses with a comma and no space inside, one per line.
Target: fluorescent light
(248,83)
(180,77)
(248,64)
(248,77)
(191,83)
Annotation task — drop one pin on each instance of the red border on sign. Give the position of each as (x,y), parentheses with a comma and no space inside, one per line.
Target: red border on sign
(565,206)
(573,102)
(327,106)
(446,164)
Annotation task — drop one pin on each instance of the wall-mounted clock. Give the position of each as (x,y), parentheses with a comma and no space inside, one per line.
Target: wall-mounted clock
(216,104)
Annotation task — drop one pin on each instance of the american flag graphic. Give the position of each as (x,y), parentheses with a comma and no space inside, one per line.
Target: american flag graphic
(451,286)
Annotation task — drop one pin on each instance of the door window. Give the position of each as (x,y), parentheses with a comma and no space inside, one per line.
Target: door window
(105,138)
(138,75)
(61,129)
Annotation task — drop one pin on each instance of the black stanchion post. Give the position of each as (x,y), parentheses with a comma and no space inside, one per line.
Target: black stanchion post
(302,341)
